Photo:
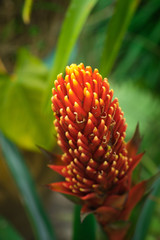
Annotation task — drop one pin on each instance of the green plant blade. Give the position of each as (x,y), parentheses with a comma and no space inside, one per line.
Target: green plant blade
(23,120)
(7,232)
(39,221)
(75,18)
(144,221)
(139,105)
(85,229)
(117,27)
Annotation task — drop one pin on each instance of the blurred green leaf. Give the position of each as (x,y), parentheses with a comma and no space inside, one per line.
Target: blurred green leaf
(146,213)
(7,232)
(117,27)
(27,8)
(140,52)
(21,99)
(140,106)
(75,18)
(100,234)
(83,230)
(30,70)
(131,55)
(147,10)
(154,230)
(144,52)
(39,221)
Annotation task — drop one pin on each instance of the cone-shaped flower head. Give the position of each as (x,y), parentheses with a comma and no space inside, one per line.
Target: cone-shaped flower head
(97,162)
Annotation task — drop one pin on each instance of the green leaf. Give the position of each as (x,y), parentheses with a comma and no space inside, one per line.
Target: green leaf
(39,221)
(152,182)
(139,105)
(23,120)
(27,8)
(85,229)
(75,18)
(135,52)
(117,27)
(131,56)
(7,232)
(145,14)
(101,235)
(144,221)
(30,70)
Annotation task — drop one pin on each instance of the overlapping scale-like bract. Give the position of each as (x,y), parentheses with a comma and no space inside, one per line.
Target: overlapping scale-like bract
(91,131)
(97,163)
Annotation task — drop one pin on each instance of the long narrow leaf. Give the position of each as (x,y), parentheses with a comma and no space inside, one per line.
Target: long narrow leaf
(39,221)
(146,214)
(84,230)
(76,16)
(117,27)
(7,232)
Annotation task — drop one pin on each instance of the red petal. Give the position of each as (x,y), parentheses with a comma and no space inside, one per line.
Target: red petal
(106,214)
(116,201)
(88,196)
(116,234)
(134,143)
(85,211)
(53,158)
(135,195)
(59,187)
(135,161)
(58,169)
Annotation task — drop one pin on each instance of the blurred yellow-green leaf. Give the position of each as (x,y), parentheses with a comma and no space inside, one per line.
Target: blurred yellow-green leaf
(21,98)
(27,8)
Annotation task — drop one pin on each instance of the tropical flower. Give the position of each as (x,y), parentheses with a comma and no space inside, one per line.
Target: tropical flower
(97,163)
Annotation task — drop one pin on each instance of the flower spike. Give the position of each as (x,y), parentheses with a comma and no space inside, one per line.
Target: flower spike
(97,163)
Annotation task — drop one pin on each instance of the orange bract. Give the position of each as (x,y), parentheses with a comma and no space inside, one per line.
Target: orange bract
(97,162)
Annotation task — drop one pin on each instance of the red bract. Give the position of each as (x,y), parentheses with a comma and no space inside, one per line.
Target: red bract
(97,163)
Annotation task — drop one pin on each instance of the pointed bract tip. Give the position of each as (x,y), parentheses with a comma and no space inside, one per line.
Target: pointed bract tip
(84,213)
(134,143)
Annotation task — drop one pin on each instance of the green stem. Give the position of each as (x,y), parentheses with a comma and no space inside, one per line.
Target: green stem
(83,230)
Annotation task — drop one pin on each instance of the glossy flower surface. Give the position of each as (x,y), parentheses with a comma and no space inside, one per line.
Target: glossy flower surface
(97,163)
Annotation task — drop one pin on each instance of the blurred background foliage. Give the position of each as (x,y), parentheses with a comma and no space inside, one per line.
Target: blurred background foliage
(122,39)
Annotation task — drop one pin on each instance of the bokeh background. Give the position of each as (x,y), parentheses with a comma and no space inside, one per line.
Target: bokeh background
(37,40)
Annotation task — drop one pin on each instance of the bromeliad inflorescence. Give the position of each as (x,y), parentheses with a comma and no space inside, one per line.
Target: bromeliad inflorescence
(97,163)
